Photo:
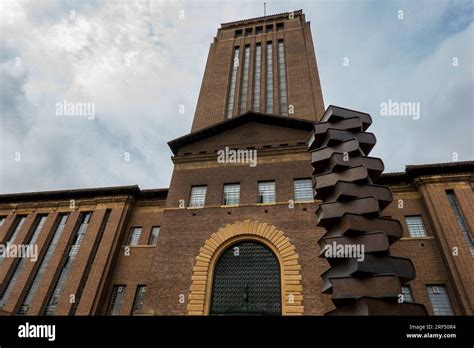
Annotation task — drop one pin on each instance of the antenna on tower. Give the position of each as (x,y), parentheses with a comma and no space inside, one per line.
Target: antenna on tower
(264,8)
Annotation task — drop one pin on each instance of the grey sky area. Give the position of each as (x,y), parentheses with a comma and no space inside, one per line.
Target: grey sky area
(140,62)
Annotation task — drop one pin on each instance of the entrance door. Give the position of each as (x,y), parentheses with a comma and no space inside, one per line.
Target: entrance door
(246,281)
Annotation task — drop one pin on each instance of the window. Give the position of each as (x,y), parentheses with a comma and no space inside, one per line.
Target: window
(266,192)
(269,28)
(439,300)
(269,80)
(63,276)
(90,261)
(231,194)
(43,265)
(139,298)
(415,225)
(257,77)
(245,80)
(233,80)
(20,263)
(280,26)
(238,33)
(135,233)
(2,220)
(155,232)
(198,196)
(282,76)
(303,190)
(407,294)
(466,233)
(116,301)
(19,221)
(248,31)
(258,30)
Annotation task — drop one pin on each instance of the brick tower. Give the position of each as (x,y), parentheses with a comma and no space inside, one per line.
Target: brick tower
(264,64)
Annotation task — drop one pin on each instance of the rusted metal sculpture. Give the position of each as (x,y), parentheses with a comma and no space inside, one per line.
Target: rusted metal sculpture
(350,213)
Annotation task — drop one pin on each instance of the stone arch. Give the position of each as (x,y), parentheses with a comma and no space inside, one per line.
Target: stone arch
(290,270)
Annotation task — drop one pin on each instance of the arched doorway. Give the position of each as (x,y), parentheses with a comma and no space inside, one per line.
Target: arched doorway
(200,291)
(246,281)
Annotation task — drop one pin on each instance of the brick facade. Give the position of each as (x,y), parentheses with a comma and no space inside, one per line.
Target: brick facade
(177,271)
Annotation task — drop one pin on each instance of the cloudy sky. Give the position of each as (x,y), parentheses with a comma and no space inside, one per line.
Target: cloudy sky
(139,62)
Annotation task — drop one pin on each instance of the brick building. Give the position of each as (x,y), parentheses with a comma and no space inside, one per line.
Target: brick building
(231,235)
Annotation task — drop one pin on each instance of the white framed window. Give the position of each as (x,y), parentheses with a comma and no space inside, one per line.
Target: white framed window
(303,190)
(415,226)
(135,233)
(266,192)
(231,194)
(439,300)
(198,196)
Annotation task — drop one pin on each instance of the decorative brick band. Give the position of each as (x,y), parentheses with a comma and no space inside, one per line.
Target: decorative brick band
(290,270)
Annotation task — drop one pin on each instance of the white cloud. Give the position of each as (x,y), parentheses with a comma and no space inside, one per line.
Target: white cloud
(85,59)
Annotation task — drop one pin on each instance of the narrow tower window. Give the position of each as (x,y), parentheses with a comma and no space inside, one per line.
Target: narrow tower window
(269,84)
(282,76)
(258,72)
(245,80)
(233,80)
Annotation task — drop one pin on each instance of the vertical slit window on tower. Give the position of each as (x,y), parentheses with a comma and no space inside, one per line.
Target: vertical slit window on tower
(466,233)
(90,261)
(269,80)
(139,298)
(116,301)
(43,265)
(63,276)
(233,81)
(266,192)
(245,80)
(9,284)
(282,77)
(257,77)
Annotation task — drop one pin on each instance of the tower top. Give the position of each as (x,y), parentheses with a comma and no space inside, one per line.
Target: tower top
(273,17)
(265,64)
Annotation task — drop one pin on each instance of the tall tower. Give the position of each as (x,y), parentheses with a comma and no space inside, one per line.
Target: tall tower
(265,64)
